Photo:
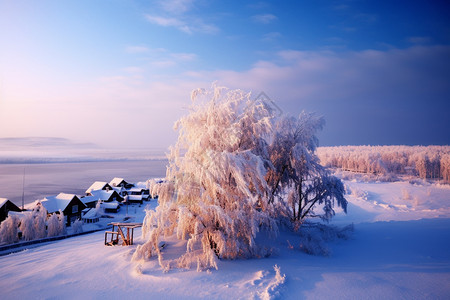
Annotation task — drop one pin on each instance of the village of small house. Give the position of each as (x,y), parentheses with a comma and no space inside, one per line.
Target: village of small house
(103,204)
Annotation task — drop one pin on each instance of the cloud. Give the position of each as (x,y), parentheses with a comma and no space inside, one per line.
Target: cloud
(134,70)
(367,18)
(264,19)
(367,96)
(419,40)
(258,5)
(169,22)
(186,25)
(163,63)
(271,36)
(136,49)
(176,6)
(184,56)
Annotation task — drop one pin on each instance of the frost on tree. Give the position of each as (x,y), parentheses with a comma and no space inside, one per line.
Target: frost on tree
(9,230)
(215,181)
(33,223)
(56,224)
(297,180)
(225,173)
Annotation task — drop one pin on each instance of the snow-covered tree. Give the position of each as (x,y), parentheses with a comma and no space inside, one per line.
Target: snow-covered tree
(297,177)
(77,226)
(33,223)
(62,223)
(9,230)
(423,161)
(215,180)
(53,225)
(40,218)
(227,176)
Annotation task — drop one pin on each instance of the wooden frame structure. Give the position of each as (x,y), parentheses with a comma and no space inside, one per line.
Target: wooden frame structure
(125,232)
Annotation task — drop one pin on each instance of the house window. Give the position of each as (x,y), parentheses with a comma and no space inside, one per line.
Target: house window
(74,209)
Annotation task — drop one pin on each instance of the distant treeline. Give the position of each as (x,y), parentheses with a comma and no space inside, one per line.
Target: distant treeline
(427,162)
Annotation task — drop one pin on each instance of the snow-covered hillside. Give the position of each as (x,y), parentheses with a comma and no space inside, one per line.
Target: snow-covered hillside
(400,249)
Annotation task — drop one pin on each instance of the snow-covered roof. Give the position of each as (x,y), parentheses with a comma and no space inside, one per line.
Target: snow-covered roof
(55,203)
(110,205)
(97,195)
(98,185)
(88,199)
(102,194)
(116,181)
(118,188)
(21,215)
(3,201)
(91,214)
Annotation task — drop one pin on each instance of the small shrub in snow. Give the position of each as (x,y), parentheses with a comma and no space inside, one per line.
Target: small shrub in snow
(27,227)
(315,237)
(358,193)
(9,230)
(53,225)
(77,226)
(62,223)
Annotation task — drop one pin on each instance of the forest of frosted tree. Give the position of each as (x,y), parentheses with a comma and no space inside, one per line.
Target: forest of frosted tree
(427,162)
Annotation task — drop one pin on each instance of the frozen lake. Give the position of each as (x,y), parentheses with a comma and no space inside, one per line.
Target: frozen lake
(53,178)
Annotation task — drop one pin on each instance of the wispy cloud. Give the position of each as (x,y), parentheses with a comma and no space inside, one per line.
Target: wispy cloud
(271,36)
(186,25)
(264,18)
(137,49)
(134,70)
(169,22)
(369,87)
(367,18)
(259,5)
(419,40)
(176,6)
(184,56)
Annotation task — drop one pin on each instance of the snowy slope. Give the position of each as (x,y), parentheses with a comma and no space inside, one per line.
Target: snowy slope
(400,249)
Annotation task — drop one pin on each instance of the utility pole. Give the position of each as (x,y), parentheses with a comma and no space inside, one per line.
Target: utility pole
(23,189)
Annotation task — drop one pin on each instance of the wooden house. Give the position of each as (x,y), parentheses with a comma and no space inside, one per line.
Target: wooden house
(5,207)
(103,195)
(98,185)
(69,204)
(120,182)
(90,215)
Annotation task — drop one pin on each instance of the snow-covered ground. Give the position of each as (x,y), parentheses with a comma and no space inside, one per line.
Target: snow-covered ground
(400,249)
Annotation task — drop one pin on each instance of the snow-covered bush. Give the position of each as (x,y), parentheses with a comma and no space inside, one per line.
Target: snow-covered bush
(314,237)
(40,218)
(53,225)
(56,224)
(62,223)
(227,179)
(33,223)
(77,226)
(9,230)
(297,173)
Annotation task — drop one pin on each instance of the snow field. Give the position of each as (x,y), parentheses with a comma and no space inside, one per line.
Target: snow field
(400,249)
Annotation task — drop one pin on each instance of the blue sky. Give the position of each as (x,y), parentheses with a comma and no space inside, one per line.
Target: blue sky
(119,73)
